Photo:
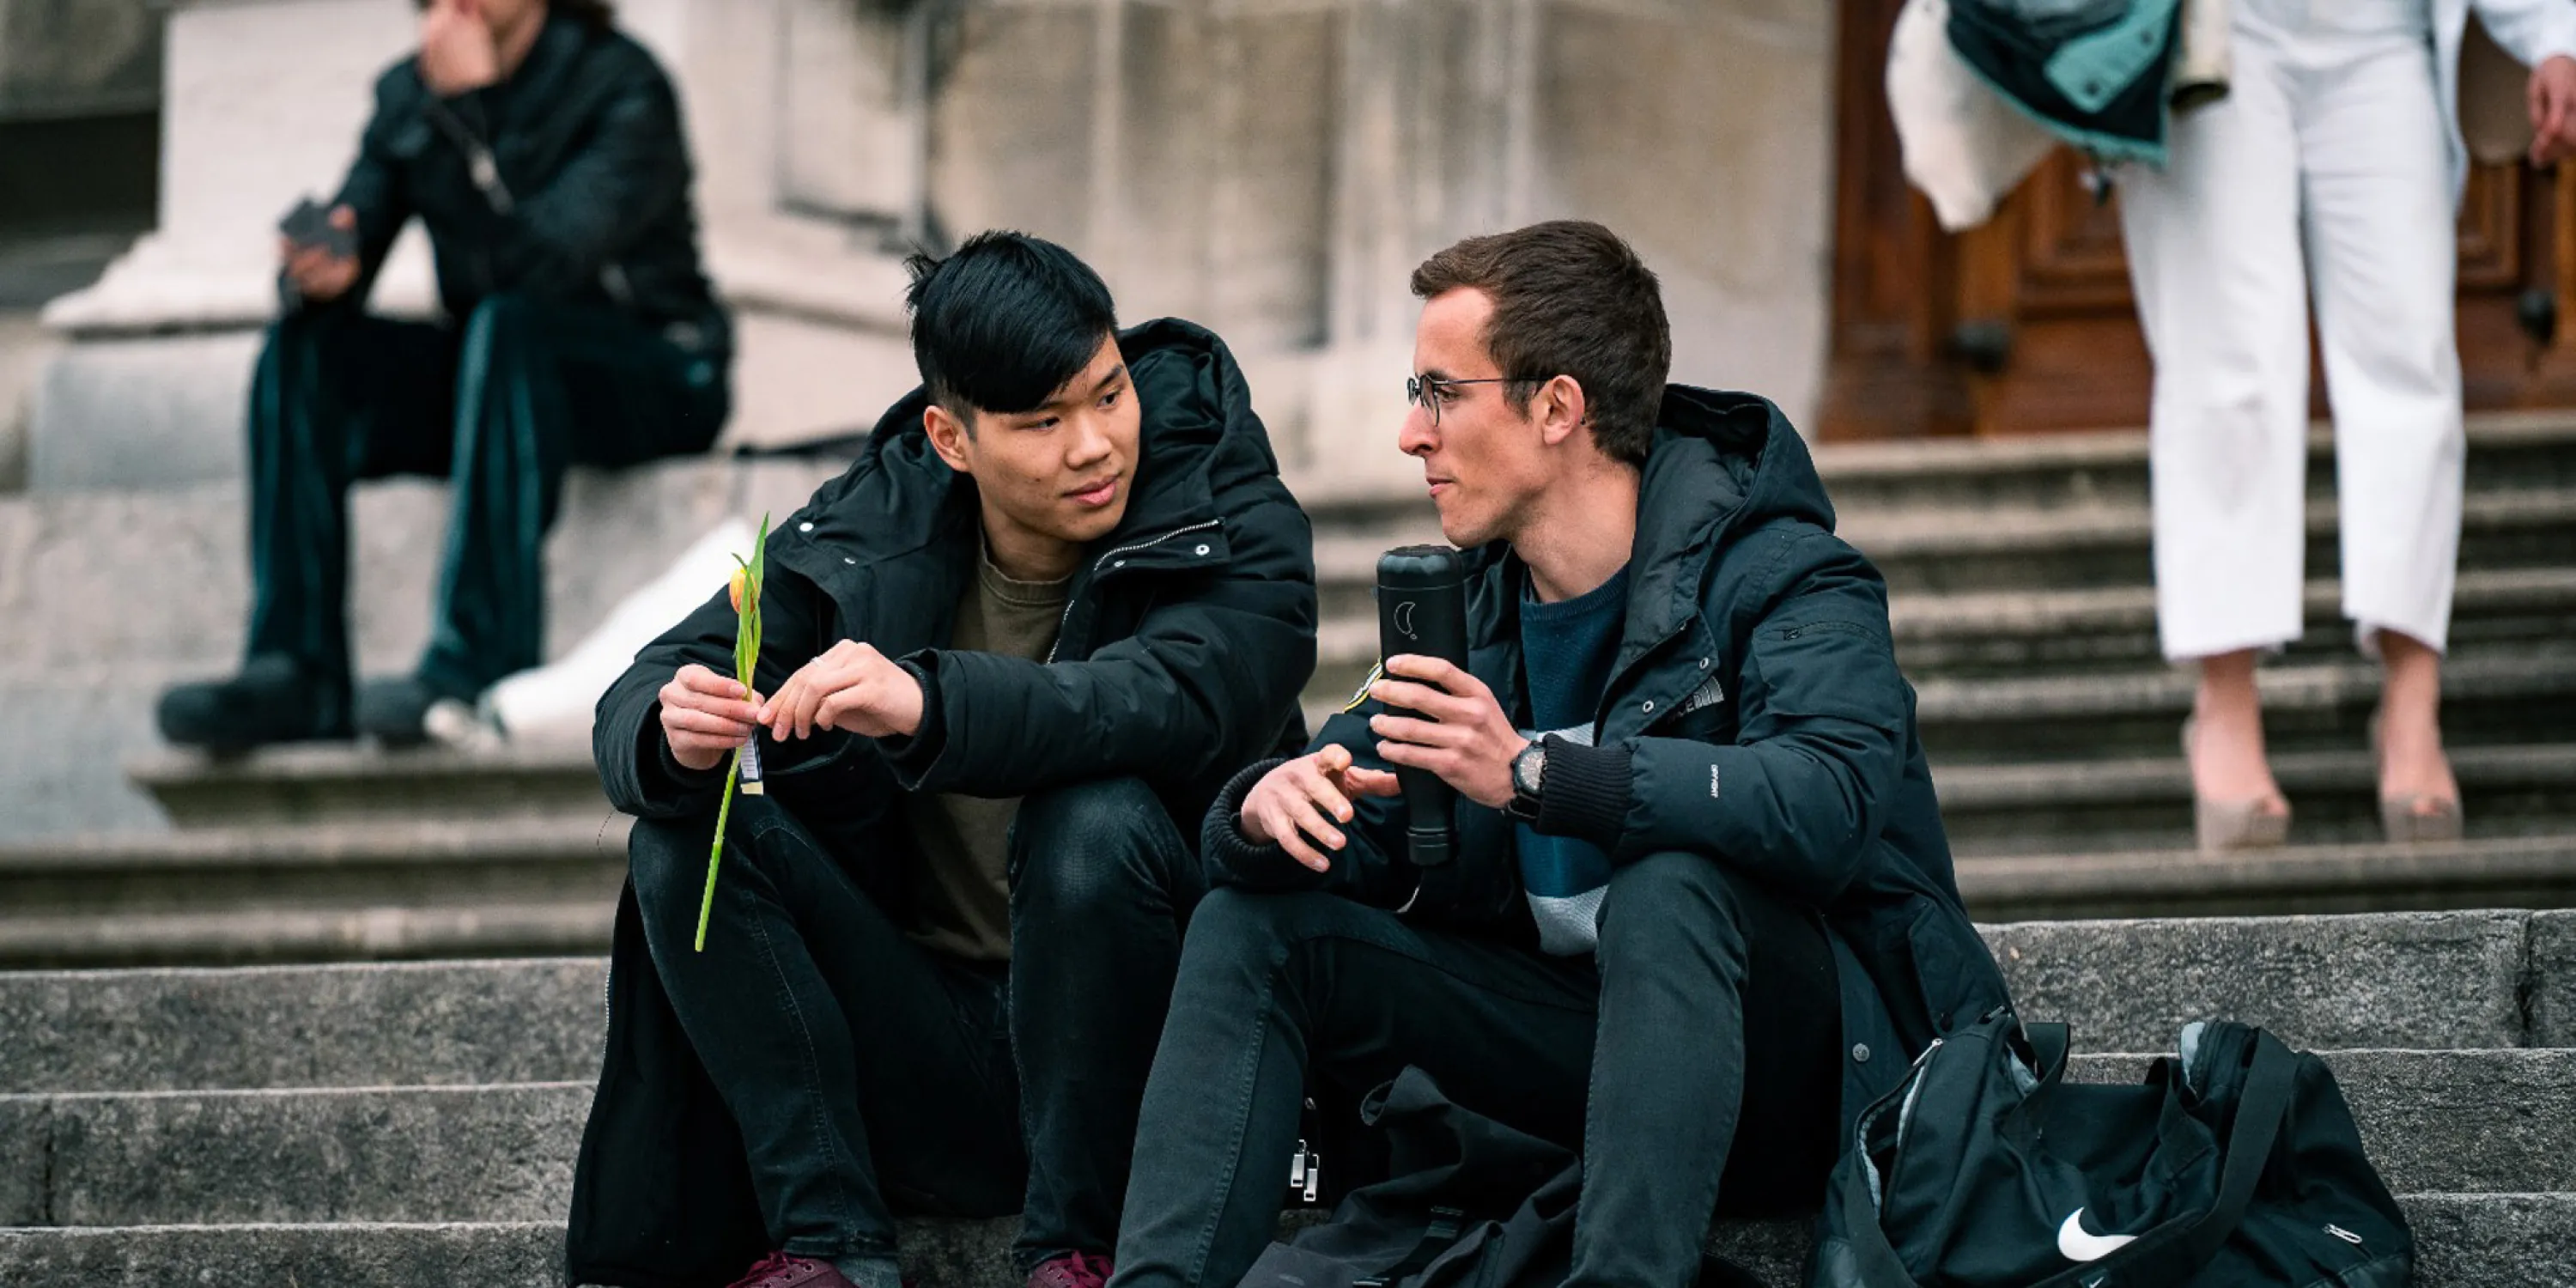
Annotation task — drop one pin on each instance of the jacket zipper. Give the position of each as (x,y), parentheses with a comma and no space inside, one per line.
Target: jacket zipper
(607,1011)
(1097,564)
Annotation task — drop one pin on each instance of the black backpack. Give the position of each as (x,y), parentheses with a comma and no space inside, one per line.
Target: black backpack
(2235,1163)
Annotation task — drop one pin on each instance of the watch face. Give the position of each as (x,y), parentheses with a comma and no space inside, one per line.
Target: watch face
(1525,767)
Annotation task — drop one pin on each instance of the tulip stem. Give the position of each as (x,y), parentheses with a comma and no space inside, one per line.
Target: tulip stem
(715,854)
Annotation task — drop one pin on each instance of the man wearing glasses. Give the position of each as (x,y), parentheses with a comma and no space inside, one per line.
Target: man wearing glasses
(1702,909)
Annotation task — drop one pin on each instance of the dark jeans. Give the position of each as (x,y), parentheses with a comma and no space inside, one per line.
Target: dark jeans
(870,1075)
(501,407)
(1640,1060)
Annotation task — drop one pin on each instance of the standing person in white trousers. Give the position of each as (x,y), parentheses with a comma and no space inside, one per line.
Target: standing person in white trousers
(2329,171)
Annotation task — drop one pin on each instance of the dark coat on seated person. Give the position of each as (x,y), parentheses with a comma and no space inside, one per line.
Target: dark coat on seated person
(566,184)
(1755,714)
(1186,635)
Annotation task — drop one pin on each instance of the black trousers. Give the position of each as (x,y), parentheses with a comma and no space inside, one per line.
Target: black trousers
(1693,1060)
(870,1075)
(501,406)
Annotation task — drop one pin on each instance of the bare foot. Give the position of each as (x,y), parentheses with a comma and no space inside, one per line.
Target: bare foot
(2227,760)
(2411,763)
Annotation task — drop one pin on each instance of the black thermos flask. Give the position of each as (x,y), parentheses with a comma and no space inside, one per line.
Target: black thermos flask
(1422,610)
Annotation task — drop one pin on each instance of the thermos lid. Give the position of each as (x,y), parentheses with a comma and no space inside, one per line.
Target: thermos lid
(1420,568)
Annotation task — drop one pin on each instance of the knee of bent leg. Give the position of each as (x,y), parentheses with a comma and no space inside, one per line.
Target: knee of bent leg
(1248,929)
(1090,844)
(1668,900)
(667,859)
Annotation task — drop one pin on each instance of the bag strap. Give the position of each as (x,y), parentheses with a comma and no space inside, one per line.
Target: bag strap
(1447,1224)
(2260,1111)
(2049,1042)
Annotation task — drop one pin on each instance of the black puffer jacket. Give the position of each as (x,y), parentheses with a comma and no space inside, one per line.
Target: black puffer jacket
(1755,715)
(1186,638)
(569,181)
(1187,633)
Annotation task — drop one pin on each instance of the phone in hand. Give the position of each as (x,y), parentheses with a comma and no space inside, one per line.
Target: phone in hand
(309,224)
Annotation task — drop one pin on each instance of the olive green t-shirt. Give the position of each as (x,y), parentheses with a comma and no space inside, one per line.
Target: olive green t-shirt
(962,899)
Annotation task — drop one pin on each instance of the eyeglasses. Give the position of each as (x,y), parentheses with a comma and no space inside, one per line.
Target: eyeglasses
(1424,391)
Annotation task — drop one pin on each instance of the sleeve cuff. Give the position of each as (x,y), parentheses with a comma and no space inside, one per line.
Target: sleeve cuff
(678,775)
(1585,793)
(912,756)
(1231,859)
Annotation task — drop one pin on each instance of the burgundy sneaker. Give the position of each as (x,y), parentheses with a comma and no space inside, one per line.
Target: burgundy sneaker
(1072,1270)
(779,1270)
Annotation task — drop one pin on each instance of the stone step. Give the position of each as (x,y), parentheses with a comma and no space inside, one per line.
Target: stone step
(2108,545)
(512,888)
(2510,872)
(365,1254)
(2495,1121)
(422,887)
(357,782)
(2064,807)
(393,864)
(2106,632)
(2415,980)
(539,1019)
(2463,1241)
(2060,471)
(1940,551)
(2459,1231)
(251,935)
(2053,631)
(2523,696)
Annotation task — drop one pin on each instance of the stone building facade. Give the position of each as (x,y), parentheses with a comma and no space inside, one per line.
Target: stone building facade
(1272,168)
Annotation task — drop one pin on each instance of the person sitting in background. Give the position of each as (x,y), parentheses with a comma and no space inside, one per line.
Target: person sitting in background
(1701,910)
(542,150)
(1006,662)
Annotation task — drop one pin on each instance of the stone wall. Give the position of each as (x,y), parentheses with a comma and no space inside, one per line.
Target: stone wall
(78,57)
(1274,168)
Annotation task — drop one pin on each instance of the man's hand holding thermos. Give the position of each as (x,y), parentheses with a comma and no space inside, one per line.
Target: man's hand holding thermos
(1442,729)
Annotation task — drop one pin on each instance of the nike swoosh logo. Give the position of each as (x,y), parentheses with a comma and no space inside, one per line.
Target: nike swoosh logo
(2074,1244)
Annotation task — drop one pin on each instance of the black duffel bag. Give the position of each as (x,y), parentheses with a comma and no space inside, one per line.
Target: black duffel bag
(2235,1163)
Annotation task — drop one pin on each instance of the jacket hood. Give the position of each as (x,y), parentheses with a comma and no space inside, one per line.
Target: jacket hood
(1722,461)
(1729,455)
(1199,437)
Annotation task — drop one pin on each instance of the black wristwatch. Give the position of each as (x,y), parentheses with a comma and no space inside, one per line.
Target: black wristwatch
(1529,774)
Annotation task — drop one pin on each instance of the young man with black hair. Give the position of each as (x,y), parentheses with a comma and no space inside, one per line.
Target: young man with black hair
(542,150)
(1007,661)
(1702,909)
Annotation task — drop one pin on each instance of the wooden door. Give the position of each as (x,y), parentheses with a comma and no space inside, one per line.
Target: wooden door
(2026,324)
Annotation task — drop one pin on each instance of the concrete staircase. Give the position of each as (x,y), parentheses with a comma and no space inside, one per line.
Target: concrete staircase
(414,1124)
(2021,599)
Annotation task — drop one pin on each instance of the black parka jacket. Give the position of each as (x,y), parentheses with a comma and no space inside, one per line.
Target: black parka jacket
(569,182)
(1188,633)
(1755,715)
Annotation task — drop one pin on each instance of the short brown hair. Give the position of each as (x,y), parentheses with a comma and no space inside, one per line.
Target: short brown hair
(1572,299)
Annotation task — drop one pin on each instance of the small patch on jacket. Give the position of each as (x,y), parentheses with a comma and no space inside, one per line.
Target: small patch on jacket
(1360,695)
(1712,782)
(1706,695)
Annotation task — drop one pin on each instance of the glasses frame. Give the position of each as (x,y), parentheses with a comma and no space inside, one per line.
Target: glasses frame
(1420,390)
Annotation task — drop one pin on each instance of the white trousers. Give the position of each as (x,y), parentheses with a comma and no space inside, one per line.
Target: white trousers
(2322,173)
